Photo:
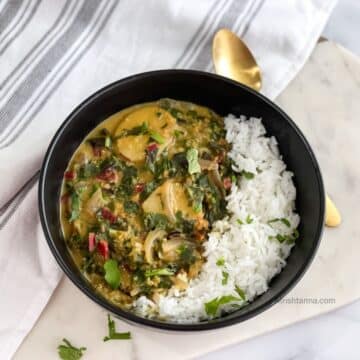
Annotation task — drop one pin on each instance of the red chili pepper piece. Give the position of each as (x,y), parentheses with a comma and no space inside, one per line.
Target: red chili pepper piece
(107,175)
(227,183)
(69,175)
(108,215)
(152,147)
(139,187)
(103,248)
(91,241)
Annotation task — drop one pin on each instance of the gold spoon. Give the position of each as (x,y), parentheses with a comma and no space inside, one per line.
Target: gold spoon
(233,59)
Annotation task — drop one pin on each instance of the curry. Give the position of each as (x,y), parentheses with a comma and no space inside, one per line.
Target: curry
(140,195)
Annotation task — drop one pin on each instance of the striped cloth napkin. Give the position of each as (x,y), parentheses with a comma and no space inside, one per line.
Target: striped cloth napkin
(55,53)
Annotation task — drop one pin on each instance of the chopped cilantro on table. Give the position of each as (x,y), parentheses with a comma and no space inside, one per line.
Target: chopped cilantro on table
(67,351)
(113,334)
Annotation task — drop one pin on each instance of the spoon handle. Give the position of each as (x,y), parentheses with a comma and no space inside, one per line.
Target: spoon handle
(332,214)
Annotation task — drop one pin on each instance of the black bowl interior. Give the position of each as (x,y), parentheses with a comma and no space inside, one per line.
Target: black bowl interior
(224,96)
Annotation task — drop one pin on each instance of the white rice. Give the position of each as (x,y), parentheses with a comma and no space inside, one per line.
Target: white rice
(251,256)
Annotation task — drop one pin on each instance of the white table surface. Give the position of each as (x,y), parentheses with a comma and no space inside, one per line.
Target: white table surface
(334,335)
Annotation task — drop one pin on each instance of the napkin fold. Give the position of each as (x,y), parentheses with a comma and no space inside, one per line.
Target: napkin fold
(55,53)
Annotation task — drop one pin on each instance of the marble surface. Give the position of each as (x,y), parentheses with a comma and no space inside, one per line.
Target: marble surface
(323,100)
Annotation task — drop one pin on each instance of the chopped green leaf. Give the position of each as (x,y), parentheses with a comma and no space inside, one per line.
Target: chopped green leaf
(289,239)
(159,272)
(157,137)
(225,278)
(70,352)
(196,194)
(249,220)
(75,206)
(108,142)
(88,170)
(155,220)
(193,162)
(178,133)
(247,175)
(131,207)
(137,130)
(186,254)
(239,222)
(212,306)
(283,220)
(220,262)
(113,335)
(112,273)
(241,292)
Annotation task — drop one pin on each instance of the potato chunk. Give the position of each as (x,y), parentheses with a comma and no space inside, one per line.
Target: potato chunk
(156,119)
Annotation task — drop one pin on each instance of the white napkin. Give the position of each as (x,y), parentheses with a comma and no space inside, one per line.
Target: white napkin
(55,53)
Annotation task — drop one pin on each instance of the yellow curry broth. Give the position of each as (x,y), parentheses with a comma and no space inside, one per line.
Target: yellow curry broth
(140,195)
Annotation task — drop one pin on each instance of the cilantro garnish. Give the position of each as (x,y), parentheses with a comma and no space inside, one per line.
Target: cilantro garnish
(159,272)
(112,273)
(113,335)
(212,306)
(70,352)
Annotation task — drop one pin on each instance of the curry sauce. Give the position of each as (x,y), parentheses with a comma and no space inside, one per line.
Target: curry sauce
(140,195)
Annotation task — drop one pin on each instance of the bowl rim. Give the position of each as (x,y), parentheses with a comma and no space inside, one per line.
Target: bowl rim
(127,315)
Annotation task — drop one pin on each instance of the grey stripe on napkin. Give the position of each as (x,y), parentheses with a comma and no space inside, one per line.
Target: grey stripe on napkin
(92,16)
(8,13)
(10,207)
(20,25)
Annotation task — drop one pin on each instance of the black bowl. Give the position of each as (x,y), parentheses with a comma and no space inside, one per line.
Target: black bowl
(224,96)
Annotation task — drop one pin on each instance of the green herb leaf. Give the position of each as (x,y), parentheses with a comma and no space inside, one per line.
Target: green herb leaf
(220,262)
(159,272)
(193,162)
(186,254)
(212,306)
(112,273)
(75,206)
(283,220)
(247,175)
(88,170)
(178,133)
(239,222)
(155,220)
(241,292)
(249,220)
(108,142)
(113,335)
(70,352)
(137,130)
(225,278)
(289,239)
(157,137)
(131,207)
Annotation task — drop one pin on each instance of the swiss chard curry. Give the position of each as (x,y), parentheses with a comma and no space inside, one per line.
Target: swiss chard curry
(140,195)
